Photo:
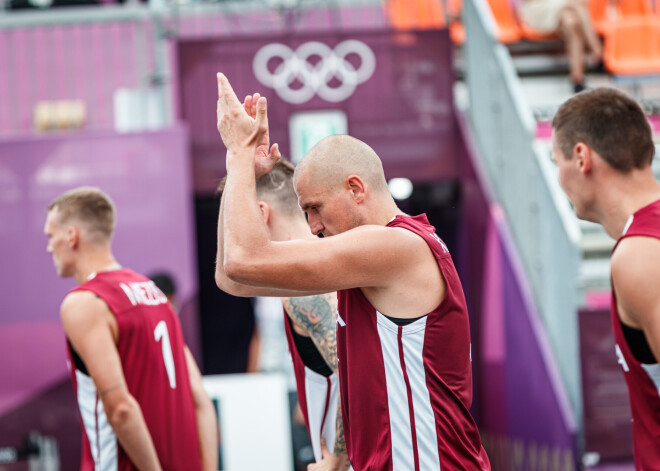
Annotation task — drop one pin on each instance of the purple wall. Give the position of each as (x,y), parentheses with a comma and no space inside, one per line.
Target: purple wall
(607,419)
(404,111)
(148,177)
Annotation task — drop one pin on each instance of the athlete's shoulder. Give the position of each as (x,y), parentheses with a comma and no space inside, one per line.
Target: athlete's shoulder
(81,300)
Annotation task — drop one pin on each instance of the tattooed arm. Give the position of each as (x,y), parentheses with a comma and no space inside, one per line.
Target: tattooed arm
(337,461)
(340,442)
(317,315)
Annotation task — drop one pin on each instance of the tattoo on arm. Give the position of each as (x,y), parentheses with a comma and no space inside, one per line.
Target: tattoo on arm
(340,442)
(318,316)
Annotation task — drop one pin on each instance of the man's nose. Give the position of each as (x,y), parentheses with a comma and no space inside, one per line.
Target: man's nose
(316,226)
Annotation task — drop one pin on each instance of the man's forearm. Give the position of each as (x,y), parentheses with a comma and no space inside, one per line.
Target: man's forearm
(207,431)
(243,229)
(340,451)
(133,435)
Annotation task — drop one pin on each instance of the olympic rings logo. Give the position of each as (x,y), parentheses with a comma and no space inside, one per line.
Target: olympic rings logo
(315,78)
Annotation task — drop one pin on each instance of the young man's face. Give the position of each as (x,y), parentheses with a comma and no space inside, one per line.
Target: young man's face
(58,244)
(570,179)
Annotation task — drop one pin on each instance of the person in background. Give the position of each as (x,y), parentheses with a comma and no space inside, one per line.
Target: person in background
(166,284)
(603,146)
(572,20)
(140,395)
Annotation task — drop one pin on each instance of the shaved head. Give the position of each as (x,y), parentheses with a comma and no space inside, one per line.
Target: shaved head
(336,157)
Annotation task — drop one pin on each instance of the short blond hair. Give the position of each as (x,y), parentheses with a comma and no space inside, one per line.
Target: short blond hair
(89,206)
(276,187)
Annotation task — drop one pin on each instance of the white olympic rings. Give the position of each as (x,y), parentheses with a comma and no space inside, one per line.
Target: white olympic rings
(315,79)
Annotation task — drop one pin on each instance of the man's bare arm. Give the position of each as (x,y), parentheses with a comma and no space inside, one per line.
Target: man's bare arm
(340,453)
(89,327)
(338,460)
(207,423)
(239,289)
(318,316)
(635,277)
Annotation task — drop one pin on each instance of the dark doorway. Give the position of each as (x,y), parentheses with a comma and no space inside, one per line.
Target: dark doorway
(226,321)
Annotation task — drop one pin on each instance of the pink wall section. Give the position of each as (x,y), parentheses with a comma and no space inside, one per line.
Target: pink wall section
(27,348)
(147,175)
(85,62)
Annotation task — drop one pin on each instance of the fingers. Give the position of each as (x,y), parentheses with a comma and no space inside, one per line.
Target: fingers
(261,119)
(325,453)
(226,95)
(250,104)
(255,100)
(275,154)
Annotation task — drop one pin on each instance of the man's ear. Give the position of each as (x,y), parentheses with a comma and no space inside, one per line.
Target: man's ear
(584,157)
(73,236)
(265,211)
(357,188)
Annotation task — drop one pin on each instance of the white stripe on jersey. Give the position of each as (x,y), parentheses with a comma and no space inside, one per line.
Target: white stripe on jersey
(628,224)
(654,374)
(102,439)
(427,436)
(316,394)
(397,394)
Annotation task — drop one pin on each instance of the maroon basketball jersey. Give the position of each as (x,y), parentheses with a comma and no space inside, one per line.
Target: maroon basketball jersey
(151,348)
(643,378)
(406,391)
(317,396)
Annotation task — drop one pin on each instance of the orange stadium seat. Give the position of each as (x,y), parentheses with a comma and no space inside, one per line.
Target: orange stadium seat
(454,14)
(632,46)
(606,13)
(416,14)
(425,14)
(509,30)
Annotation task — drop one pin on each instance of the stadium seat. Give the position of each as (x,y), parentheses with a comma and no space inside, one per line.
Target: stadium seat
(454,15)
(606,13)
(416,14)
(509,30)
(632,46)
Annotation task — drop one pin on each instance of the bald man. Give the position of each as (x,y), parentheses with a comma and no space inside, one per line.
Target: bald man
(403,341)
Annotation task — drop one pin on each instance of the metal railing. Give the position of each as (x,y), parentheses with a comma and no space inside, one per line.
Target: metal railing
(525,182)
(115,58)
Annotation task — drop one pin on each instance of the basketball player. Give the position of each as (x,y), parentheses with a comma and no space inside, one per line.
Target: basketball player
(403,341)
(603,146)
(309,322)
(140,394)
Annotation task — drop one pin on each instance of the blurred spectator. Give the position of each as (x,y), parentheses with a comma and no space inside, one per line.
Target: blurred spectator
(166,284)
(571,19)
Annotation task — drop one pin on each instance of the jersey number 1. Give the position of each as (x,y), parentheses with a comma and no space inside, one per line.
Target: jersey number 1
(160,332)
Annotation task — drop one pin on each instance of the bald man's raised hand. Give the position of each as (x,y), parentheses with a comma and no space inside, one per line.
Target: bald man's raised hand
(238,130)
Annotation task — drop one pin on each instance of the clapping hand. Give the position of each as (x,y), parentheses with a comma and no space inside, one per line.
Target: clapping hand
(264,160)
(244,128)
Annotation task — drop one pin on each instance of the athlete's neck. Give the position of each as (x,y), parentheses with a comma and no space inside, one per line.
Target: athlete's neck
(95,263)
(627,195)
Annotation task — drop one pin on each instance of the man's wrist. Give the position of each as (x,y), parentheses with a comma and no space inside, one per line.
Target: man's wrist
(240,158)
